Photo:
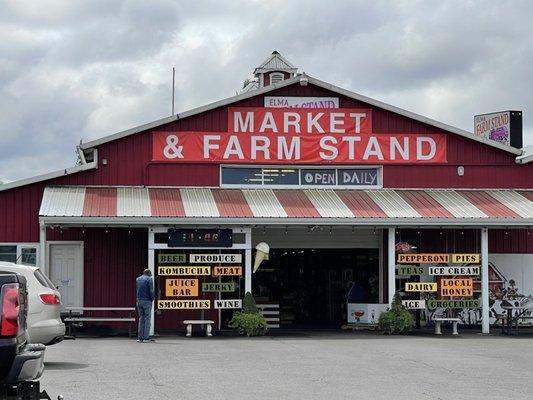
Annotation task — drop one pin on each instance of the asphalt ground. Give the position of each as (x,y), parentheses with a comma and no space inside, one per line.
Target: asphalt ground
(343,365)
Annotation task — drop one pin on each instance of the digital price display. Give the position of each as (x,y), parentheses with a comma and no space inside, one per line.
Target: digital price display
(200,238)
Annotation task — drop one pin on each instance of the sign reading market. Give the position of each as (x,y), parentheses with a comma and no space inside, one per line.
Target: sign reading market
(301,136)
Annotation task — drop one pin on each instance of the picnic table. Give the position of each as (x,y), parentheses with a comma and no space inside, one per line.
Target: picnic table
(513,318)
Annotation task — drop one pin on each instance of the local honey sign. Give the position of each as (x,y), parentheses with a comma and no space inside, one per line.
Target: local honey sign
(462,287)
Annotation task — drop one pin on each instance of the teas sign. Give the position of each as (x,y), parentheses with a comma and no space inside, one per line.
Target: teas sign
(299,136)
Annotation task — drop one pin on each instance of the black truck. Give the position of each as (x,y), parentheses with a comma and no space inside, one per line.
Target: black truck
(21,364)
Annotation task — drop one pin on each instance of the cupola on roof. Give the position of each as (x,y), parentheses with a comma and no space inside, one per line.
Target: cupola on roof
(274,69)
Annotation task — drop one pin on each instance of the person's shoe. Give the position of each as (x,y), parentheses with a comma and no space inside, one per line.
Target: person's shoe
(149,340)
(140,340)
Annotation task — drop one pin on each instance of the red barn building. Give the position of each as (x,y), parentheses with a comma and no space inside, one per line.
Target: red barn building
(330,179)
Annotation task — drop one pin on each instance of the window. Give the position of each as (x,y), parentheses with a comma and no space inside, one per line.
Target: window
(289,177)
(25,254)
(276,77)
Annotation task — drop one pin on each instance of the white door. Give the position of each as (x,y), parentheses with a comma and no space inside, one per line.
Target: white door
(66,272)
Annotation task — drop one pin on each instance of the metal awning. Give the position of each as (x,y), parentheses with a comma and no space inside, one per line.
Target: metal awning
(142,205)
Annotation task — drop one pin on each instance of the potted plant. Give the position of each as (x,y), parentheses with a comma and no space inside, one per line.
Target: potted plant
(249,321)
(397,319)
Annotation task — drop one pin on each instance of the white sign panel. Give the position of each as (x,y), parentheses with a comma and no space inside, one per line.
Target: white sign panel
(301,102)
(363,313)
(494,126)
(228,304)
(473,270)
(414,304)
(215,258)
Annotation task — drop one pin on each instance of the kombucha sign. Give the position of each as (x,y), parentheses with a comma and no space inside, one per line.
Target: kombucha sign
(299,136)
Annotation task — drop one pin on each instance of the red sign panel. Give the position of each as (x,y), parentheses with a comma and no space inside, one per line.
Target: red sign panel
(300,136)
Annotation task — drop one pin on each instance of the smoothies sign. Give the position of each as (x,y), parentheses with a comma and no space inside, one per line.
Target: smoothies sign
(302,136)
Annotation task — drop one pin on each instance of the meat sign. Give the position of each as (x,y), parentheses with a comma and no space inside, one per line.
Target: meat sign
(301,136)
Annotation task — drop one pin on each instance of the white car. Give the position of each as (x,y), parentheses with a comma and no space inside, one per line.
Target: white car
(44,305)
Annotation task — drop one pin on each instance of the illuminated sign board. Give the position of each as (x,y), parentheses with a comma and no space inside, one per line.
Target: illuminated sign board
(466,303)
(420,287)
(184,270)
(215,258)
(183,304)
(181,287)
(462,287)
(200,238)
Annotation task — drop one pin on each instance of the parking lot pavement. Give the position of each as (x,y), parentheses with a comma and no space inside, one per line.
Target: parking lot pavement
(317,366)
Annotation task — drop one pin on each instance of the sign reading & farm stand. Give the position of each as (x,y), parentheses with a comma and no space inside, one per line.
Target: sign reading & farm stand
(299,136)
(460,287)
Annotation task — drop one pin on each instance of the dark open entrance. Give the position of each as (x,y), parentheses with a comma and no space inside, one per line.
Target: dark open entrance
(312,285)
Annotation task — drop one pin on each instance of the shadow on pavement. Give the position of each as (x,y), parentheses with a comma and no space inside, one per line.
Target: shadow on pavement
(63,366)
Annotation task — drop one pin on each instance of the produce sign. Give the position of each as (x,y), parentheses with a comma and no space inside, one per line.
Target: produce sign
(171,258)
(467,303)
(462,287)
(183,304)
(185,270)
(472,270)
(423,258)
(420,287)
(300,136)
(412,270)
(215,258)
(228,304)
(414,304)
(218,287)
(181,287)
(227,271)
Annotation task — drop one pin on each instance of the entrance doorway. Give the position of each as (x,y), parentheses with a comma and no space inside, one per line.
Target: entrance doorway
(312,285)
(66,271)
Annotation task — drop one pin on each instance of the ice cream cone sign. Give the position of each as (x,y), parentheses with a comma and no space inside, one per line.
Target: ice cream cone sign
(261,254)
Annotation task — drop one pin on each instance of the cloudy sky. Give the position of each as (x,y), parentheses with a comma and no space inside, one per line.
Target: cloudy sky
(72,70)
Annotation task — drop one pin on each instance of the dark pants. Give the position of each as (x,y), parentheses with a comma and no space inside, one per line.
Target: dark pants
(144,308)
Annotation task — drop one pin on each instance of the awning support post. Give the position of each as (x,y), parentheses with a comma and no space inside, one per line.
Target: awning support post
(42,249)
(151,267)
(391,264)
(248,262)
(485,316)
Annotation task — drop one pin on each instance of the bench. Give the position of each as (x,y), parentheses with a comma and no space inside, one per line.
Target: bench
(439,321)
(75,316)
(191,322)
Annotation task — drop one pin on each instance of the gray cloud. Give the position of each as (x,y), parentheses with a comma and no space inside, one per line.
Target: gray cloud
(71,70)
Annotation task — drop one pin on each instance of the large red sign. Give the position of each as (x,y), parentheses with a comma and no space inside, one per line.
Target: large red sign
(300,136)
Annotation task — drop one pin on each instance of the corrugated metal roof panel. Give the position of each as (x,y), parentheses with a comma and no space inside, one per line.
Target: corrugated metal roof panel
(133,202)
(515,201)
(166,203)
(63,201)
(488,204)
(456,204)
(199,202)
(264,203)
(393,204)
(100,202)
(328,203)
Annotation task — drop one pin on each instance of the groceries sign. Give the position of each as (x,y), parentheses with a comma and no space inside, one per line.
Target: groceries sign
(301,136)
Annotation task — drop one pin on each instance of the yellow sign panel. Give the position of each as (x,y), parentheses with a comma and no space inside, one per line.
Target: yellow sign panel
(185,270)
(183,304)
(423,258)
(420,287)
(461,287)
(466,258)
(227,271)
(181,287)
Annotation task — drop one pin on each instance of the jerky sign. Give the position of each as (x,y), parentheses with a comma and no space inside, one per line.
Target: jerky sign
(300,136)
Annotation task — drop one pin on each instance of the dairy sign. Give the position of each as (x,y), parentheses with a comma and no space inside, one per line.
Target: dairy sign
(299,136)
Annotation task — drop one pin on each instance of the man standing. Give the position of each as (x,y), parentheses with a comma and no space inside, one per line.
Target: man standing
(145,297)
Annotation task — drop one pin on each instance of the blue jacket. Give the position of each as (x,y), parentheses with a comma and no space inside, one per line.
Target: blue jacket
(145,288)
